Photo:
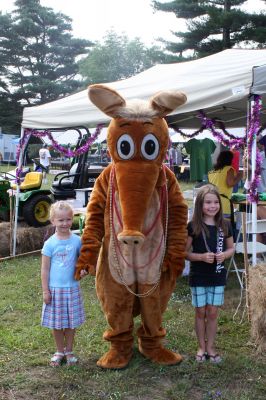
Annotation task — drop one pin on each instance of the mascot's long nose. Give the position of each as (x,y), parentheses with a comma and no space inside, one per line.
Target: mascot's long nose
(136,182)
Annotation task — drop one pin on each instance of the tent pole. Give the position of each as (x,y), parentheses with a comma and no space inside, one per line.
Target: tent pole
(254,204)
(20,161)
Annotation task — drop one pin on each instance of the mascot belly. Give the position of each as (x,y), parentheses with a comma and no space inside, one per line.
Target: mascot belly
(135,231)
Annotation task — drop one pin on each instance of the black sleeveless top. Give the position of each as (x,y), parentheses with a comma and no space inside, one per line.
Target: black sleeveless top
(202,273)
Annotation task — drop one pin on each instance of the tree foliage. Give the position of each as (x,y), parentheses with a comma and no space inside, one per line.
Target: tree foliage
(37,55)
(119,58)
(214,25)
(10,114)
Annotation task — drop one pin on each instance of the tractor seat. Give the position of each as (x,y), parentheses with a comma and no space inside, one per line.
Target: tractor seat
(33,180)
(67,180)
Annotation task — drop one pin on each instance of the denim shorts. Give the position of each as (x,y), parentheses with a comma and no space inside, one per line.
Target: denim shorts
(207,295)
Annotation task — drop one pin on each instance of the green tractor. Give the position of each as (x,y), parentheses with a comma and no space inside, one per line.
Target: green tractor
(34,203)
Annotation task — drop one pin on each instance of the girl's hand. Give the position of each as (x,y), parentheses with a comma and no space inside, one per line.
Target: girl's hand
(46,297)
(220,257)
(83,273)
(208,257)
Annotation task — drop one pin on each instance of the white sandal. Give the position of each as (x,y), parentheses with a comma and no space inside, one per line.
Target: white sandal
(70,358)
(57,359)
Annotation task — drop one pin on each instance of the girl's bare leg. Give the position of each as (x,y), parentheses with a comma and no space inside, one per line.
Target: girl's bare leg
(59,338)
(69,338)
(211,328)
(200,328)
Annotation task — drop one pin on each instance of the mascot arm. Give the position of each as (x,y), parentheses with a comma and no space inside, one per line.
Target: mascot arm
(177,227)
(94,228)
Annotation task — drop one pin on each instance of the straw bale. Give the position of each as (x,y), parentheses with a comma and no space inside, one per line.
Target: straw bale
(257,296)
(28,238)
(4,239)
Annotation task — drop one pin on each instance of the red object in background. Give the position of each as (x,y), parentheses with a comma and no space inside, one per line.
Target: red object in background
(236,159)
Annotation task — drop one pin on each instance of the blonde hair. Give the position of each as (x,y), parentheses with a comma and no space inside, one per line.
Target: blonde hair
(58,206)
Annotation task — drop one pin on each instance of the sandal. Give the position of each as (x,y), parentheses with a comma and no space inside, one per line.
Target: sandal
(57,359)
(70,358)
(201,357)
(215,359)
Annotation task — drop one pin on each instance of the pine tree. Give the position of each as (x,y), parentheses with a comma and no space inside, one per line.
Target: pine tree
(214,25)
(119,58)
(38,54)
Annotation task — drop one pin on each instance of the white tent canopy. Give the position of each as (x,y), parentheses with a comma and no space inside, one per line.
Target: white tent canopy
(71,136)
(220,84)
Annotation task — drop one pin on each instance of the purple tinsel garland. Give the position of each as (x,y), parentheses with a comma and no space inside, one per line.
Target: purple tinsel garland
(207,123)
(254,126)
(61,149)
(253,131)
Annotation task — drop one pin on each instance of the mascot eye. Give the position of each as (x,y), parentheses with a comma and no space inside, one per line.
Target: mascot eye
(150,147)
(125,147)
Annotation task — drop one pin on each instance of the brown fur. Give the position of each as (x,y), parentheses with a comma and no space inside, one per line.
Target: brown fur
(138,197)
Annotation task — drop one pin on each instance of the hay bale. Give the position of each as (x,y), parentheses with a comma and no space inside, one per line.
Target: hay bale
(4,239)
(28,238)
(257,296)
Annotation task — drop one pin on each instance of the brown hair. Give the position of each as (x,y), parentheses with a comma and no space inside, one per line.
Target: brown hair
(197,218)
(224,159)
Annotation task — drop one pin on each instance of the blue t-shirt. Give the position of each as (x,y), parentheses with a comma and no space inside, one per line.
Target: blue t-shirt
(64,255)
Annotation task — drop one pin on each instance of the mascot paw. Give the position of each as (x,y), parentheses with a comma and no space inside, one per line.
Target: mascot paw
(161,355)
(114,359)
(77,275)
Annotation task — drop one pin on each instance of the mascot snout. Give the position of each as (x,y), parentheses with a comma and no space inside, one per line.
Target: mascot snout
(131,238)
(135,191)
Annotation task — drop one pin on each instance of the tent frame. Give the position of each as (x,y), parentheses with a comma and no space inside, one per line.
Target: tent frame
(221,84)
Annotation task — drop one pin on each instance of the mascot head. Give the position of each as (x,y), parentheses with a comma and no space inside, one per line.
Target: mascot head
(137,141)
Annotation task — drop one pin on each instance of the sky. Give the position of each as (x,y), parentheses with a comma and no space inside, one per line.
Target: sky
(136,18)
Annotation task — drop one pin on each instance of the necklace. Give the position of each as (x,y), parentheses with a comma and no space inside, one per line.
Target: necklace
(114,242)
(205,241)
(219,246)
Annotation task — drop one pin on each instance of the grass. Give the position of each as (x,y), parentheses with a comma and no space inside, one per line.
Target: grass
(25,349)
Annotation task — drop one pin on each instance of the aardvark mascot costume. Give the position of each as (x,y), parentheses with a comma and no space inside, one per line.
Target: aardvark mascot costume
(135,229)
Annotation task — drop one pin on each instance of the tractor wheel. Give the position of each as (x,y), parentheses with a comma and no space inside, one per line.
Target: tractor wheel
(36,210)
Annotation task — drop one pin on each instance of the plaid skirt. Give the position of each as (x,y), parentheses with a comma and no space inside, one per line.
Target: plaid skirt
(66,309)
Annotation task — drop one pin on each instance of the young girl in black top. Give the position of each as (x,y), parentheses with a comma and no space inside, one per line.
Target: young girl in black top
(210,242)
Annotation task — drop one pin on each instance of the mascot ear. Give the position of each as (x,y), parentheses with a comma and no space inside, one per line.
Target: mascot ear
(106,99)
(166,102)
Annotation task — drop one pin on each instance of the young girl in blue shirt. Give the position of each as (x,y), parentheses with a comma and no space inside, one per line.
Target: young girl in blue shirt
(210,242)
(63,308)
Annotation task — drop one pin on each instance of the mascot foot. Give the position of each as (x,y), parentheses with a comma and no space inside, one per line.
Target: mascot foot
(114,359)
(161,355)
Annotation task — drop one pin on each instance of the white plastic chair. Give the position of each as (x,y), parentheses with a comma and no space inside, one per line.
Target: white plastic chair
(240,246)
